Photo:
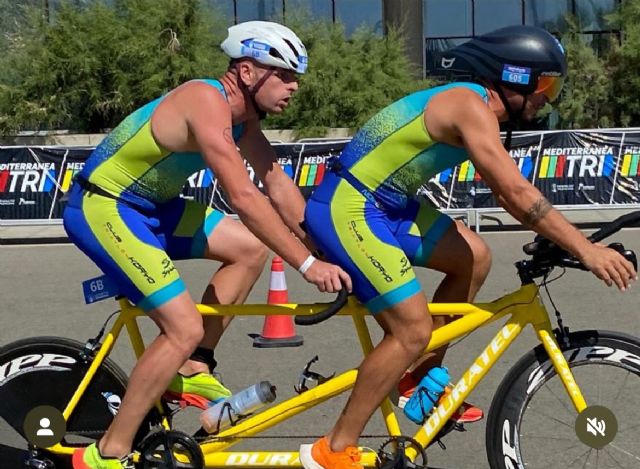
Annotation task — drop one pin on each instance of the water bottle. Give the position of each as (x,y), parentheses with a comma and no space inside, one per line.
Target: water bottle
(426,394)
(227,412)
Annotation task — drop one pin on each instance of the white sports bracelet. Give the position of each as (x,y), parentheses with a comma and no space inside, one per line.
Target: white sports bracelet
(306,264)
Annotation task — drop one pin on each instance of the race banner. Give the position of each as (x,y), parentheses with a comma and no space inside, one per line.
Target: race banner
(469,190)
(571,168)
(578,168)
(33,179)
(627,171)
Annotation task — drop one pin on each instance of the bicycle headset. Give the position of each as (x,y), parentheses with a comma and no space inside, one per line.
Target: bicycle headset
(525,59)
(267,43)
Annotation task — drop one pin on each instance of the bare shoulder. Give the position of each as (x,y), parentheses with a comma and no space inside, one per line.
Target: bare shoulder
(456,99)
(192,105)
(196,93)
(445,111)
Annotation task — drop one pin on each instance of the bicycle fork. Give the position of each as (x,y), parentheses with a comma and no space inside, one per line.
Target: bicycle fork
(545,334)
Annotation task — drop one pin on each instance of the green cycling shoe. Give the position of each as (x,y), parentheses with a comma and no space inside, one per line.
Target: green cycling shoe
(90,458)
(200,390)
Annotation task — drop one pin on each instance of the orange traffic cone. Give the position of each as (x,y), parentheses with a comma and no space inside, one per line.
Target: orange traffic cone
(278,331)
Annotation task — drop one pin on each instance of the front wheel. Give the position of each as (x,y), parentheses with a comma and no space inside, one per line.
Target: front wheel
(46,371)
(531,421)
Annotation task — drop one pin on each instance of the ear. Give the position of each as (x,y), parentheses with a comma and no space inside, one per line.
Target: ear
(246,72)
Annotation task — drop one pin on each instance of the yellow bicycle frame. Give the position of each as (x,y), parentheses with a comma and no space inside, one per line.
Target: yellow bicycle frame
(522,306)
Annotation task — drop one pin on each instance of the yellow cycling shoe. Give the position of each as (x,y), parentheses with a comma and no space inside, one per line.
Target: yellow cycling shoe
(90,458)
(200,390)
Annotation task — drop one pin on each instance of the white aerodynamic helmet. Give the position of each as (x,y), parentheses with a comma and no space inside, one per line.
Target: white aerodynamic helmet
(268,43)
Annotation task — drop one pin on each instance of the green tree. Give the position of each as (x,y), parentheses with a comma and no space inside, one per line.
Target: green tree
(348,80)
(586,100)
(93,65)
(625,63)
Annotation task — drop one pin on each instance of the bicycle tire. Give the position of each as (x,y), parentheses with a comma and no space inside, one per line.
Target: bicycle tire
(531,410)
(46,371)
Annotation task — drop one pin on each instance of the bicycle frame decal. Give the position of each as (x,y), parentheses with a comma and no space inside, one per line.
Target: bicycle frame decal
(562,368)
(262,459)
(470,379)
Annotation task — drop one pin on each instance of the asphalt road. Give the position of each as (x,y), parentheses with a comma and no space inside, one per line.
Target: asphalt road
(41,295)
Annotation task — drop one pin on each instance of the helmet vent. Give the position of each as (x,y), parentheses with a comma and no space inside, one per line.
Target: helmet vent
(295,51)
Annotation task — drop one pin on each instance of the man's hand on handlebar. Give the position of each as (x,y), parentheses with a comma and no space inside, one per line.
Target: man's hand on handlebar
(327,277)
(609,266)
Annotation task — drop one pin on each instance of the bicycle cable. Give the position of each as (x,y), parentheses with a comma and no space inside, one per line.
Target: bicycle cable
(563,331)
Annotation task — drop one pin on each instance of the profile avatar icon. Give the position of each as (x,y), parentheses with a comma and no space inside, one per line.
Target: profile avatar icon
(44,427)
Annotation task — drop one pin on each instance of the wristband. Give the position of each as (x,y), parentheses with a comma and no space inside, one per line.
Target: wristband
(306,264)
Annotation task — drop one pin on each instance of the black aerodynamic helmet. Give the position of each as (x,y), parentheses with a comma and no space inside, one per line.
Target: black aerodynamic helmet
(522,58)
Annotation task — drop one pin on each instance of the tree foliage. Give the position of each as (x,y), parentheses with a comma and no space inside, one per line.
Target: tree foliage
(586,100)
(96,62)
(93,65)
(625,64)
(348,80)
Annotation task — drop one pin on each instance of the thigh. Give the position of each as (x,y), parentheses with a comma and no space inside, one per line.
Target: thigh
(468,246)
(420,229)
(196,231)
(356,235)
(122,243)
(186,226)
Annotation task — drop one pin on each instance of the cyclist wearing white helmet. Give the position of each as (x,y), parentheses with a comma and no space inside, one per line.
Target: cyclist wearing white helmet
(125,212)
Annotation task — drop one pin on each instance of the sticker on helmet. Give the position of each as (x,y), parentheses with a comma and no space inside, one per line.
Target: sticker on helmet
(515,74)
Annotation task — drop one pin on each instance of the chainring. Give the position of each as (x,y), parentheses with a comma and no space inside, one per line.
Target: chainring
(392,454)
(159,451)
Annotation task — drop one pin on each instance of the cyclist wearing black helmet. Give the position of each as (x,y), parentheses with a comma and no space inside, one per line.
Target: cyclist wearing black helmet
(364,215)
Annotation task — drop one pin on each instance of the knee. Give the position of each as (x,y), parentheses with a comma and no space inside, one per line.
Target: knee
(417,337)
(481,260)
(254,253)
(187,334)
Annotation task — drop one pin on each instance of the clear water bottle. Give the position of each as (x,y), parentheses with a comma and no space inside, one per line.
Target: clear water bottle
(227,412)
(426,395)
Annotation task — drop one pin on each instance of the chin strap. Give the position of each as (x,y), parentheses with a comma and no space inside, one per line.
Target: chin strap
(514,117)
(251,92)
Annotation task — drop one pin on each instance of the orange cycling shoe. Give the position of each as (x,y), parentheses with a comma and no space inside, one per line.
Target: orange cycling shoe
(466,413)
(319,456)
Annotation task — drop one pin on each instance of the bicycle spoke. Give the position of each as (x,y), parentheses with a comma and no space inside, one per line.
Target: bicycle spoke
(629,428)
(549,417)
(636,457)
(562,402)
(586,460)
(614,459)
(620,388)
(580,456)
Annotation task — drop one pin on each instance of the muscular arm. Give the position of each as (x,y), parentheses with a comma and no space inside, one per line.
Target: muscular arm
(282,191)
(209,121)
(468,119)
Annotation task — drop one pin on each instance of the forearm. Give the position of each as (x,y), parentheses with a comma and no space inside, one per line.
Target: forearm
(255,211)
(290,205)
(530,207)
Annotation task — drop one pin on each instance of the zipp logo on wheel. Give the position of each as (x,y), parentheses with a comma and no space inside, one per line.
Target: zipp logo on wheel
(27,363)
